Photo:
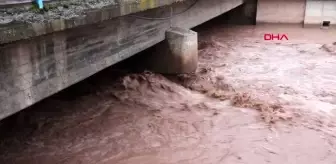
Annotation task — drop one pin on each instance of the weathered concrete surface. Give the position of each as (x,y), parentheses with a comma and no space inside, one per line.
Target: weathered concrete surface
(30,24)
(308,12)
(56,9)
(319,11)
(281,11)
(178,53)
(37,68)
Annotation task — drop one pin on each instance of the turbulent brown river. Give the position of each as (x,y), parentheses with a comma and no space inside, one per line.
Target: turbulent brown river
(251,101)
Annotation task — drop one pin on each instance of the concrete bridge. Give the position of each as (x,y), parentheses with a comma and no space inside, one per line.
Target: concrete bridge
(41,58)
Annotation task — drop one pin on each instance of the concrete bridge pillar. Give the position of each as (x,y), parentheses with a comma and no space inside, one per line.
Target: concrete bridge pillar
(178,53)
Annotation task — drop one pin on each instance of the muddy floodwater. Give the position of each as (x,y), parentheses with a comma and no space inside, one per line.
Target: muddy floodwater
(251,101)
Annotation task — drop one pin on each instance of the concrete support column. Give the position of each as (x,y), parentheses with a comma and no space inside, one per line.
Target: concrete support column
(244,14)
(250,11)
(178,53)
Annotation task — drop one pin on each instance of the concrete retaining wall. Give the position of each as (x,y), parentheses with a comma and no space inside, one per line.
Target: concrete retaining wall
(318,11)
(281,11)
(34,69)
(309,12)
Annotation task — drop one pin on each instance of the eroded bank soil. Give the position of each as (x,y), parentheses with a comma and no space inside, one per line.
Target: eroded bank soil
(251,101)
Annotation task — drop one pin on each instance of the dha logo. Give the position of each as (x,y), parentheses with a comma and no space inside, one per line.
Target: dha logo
(275,37)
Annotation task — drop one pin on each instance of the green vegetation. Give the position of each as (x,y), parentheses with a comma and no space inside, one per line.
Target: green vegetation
(47,7)
(34,7)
